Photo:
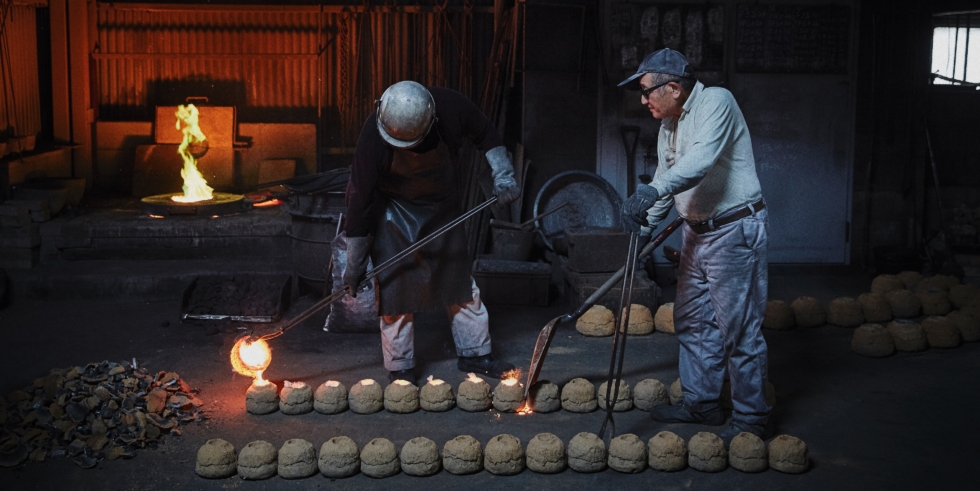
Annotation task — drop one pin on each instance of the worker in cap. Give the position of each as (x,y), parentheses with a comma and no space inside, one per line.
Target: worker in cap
(404,185)
(707,171)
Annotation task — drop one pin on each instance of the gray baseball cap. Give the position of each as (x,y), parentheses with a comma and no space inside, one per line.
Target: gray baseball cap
(663,61)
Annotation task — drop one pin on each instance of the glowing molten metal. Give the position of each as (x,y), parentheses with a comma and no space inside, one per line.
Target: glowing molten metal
(195,187)
(251,359)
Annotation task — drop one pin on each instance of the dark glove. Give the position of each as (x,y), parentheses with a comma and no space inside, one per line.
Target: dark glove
(635,207)
(504,185)
(358,251)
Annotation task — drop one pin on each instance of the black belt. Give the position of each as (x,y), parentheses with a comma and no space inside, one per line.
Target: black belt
(713,224)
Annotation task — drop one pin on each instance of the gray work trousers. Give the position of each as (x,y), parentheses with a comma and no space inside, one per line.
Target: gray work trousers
(722,287)
(470,325)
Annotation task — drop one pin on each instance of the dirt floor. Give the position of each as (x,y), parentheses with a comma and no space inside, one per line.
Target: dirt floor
(896,423)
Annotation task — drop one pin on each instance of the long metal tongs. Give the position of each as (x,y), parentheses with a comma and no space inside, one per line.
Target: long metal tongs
(548,332)
(337,295)
(619,339)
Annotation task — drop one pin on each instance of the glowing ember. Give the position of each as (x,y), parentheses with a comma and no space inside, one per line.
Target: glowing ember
(267,204)
(436,382)
(332,383)
(402,382)
(512,374)
(471,377)
(250,359)
(366,381)
(195,187)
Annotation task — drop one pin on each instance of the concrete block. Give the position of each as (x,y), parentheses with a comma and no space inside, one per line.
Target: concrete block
(55,197)
(115,135)
(18,257)
(581,286)
(280,141)
(595,250)
(15,221)
(20,237)
(271,170)
(14,209)
(31,204)
(40,216)
(115,153)
(55,163)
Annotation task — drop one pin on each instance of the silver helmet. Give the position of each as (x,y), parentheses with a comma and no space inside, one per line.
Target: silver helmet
(406,112)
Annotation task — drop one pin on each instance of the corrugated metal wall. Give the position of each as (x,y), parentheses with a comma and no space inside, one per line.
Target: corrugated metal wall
(20,102)
(297,64)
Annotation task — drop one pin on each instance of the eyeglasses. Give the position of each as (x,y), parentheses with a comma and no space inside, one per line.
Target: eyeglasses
(646,92)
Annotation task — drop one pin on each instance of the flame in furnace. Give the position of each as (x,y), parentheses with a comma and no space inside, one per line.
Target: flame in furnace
(251,359)
(510,382)
(195,187)
(525,409)
(471,377)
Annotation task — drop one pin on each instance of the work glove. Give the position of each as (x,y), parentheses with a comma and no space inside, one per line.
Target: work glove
(634,213)
(358,252)
(504,185)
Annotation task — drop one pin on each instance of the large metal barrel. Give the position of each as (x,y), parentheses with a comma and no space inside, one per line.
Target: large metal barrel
(315,221)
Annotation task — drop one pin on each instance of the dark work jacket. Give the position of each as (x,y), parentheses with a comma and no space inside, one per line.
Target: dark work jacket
(458,119)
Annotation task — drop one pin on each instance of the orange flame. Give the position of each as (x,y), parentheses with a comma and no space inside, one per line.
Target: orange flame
(472,378)
(251,359)
(525,409)
(510,382)
(512,374)
(195,187)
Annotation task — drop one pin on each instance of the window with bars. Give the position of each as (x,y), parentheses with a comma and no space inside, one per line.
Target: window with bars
(956,48)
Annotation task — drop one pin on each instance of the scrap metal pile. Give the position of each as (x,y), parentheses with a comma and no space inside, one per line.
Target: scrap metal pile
(100,411)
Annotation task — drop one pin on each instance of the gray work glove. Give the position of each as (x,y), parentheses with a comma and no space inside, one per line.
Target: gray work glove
(358,252)
(504,184)
(635,208)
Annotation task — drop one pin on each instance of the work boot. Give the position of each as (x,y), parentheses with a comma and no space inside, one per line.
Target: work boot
(484,365)
(403,375)
(680,414)
(763,431)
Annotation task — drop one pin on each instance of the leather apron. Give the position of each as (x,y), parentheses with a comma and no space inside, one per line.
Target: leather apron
(421,190)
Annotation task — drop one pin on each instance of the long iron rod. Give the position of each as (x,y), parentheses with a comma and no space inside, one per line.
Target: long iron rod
(337,295)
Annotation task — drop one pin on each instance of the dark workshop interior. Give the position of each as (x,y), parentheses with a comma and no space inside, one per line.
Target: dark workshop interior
(185,186)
